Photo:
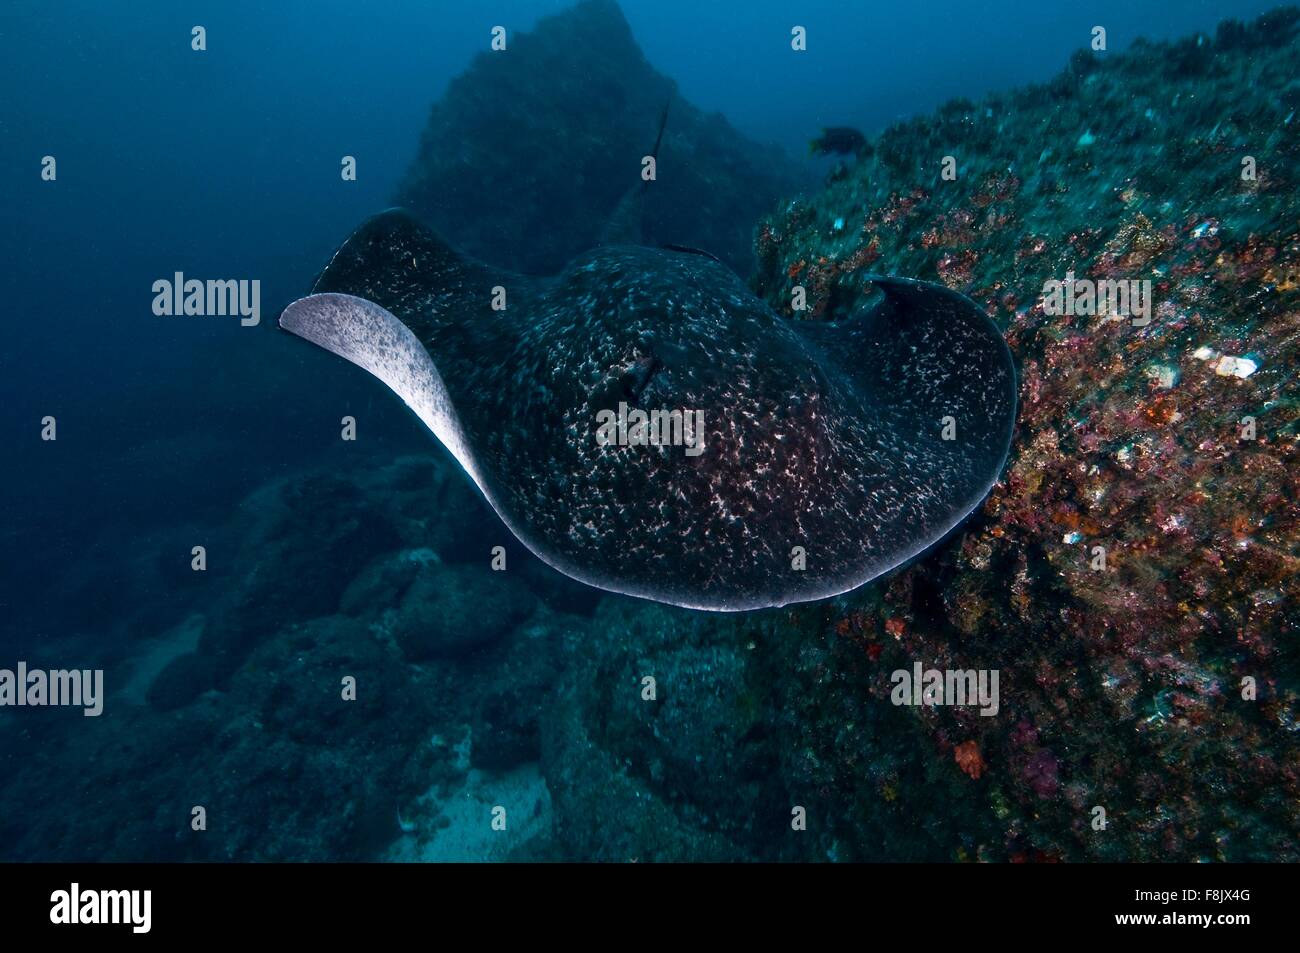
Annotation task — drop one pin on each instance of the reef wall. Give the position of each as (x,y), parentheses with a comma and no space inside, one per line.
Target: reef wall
(1135,575)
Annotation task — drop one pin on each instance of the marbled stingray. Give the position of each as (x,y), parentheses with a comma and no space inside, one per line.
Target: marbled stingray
(821,438)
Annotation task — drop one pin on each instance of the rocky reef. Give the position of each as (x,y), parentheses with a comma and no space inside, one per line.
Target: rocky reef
(364,664)
(1134,576)
(525,160)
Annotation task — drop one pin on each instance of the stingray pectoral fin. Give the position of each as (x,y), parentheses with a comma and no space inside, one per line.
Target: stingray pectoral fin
(398,262)
(373,339)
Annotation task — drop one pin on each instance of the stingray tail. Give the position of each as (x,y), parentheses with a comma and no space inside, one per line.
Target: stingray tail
(625,224)
(663,121)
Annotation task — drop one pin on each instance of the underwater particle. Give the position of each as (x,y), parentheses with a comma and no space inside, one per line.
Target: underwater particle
(518,400)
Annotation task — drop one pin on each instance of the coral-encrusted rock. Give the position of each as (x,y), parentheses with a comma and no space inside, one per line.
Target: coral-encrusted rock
(450,610)
(518,686)
(604,809)
(294,730)
(691,738)
(432,505)
(755,715)
(1171,444)
(180,681)
(526,157)
(637,779)
(304,539)
(382,584)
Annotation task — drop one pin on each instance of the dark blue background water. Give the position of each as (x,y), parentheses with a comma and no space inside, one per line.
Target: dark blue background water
(225,164)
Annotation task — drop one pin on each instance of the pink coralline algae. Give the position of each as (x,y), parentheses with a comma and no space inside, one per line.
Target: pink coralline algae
(1041,773)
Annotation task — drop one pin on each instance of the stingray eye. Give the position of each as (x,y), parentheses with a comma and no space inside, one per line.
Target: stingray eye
(851,297)
(626,381)
(639,374)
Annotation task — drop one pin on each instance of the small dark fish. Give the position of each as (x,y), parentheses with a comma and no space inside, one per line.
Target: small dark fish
(840,140)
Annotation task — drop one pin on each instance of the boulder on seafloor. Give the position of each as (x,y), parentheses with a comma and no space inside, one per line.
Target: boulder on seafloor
(452,610)
(752,722)
(384,582)
(302,540)
(517,689)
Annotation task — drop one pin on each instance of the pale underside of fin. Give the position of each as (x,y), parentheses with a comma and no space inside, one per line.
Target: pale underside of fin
(373,339)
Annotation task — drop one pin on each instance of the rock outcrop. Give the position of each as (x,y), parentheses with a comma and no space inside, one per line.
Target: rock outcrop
(525,159)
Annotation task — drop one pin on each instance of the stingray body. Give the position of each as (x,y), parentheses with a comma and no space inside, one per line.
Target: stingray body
(822,461)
